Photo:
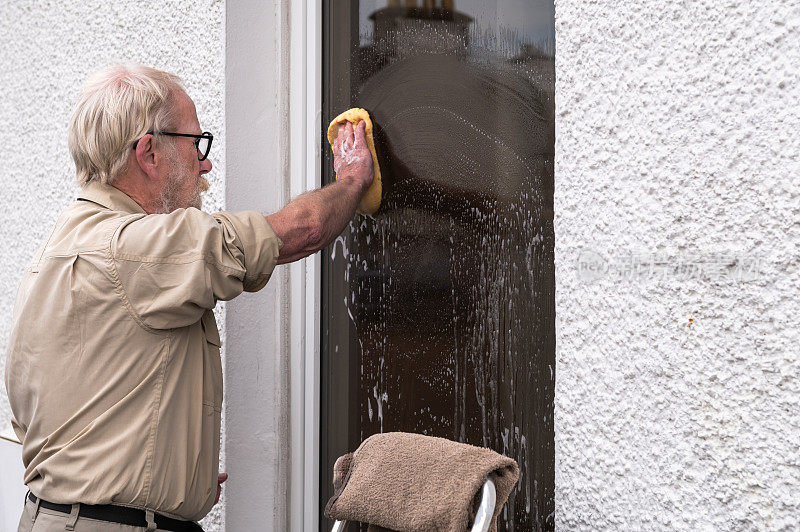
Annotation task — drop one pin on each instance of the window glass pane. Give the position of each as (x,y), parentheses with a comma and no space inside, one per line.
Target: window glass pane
(438,311)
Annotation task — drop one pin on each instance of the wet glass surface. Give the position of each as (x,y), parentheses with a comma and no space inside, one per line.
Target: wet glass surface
(438,311)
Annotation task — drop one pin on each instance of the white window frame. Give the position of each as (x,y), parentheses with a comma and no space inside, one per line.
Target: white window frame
(305,169)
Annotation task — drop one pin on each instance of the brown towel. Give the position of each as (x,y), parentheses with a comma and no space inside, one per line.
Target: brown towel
(411,482)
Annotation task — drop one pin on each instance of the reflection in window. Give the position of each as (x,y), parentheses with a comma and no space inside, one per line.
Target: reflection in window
(438,311)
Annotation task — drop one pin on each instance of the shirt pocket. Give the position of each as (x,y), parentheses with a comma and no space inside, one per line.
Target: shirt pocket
(212,389)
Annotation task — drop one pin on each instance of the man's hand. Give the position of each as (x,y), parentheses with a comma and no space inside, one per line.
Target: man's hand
(352,159)
(222,477)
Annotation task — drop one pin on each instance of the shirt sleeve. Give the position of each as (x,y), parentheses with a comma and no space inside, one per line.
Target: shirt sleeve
(170,268)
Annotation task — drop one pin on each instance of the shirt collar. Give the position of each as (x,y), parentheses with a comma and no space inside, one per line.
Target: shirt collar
(109,197)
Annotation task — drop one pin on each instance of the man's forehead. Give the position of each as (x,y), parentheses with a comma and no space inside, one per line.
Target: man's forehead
(188,111)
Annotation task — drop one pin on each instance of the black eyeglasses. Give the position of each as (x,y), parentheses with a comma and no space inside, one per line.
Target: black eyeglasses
(201,142)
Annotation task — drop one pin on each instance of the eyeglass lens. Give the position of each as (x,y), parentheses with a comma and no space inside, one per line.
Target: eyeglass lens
(203,147)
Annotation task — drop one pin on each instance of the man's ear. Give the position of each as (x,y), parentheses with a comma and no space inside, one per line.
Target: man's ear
(146,156)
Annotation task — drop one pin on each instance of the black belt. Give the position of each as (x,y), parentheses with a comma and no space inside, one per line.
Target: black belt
(122,515)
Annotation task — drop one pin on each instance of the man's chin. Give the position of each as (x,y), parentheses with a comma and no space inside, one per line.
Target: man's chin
(202,186)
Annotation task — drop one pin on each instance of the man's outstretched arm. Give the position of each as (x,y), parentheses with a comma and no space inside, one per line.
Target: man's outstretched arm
(314,219)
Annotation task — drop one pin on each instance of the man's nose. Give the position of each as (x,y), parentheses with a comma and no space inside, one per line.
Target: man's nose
(205,166)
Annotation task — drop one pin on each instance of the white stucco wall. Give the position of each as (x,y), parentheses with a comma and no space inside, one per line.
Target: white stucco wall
(48,50)
(677,134)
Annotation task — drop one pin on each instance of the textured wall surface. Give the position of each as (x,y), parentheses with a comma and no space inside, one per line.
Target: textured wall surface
(676,134)
(49,48)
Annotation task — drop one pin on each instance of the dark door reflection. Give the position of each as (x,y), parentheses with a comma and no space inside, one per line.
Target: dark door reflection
(438,311)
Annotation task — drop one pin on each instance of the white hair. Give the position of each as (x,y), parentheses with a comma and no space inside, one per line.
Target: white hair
(117,106)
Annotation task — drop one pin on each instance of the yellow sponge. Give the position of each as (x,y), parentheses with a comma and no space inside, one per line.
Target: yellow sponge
(372,199)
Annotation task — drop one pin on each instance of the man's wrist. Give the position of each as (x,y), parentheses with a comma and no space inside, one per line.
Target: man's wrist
(349,179)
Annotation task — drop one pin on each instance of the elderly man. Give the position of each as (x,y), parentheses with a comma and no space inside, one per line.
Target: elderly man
(113,369)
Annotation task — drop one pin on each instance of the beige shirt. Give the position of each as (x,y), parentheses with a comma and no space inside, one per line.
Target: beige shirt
(113,369)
